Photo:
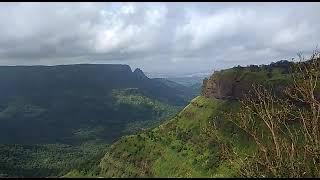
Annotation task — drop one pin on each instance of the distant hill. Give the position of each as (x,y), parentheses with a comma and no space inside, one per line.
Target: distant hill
(199,141)
(189,91)
(188,80)
(45,104)
(65,107)
(51,81)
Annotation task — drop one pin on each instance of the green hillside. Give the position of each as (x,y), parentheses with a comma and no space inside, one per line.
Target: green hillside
(195,143)
(233,129)
(222,133)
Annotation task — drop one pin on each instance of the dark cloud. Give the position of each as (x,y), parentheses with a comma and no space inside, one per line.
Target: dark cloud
(157,37)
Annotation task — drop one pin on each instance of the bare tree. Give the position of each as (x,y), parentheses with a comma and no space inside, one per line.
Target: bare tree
(285,130)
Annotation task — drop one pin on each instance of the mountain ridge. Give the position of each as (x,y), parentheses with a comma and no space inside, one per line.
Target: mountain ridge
(42,95)
(198,141)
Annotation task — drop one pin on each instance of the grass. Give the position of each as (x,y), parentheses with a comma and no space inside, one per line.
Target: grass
(186,146)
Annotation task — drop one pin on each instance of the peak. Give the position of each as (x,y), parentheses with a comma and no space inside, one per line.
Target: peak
(140,73)
(138,70)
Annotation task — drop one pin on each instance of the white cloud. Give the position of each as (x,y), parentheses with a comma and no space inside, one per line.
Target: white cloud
(128,9)
(207,29)
(159,37)
(156,16)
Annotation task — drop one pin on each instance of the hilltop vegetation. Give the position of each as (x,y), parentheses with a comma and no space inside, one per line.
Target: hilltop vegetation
(243,125)
(235,82)
(285,128)
(199,141)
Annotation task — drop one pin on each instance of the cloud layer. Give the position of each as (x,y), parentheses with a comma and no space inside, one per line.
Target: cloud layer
(157,37)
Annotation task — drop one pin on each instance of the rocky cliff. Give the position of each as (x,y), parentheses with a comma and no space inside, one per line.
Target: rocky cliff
(221,86)
(234,83)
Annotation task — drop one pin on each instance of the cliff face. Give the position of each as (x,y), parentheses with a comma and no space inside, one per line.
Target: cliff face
(218,86)
(234,83)
(227,85)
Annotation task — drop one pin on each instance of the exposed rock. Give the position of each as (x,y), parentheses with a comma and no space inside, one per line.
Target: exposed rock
(234,83)
(224,86)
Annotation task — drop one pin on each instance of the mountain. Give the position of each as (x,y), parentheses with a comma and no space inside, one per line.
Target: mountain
(203,140)
(188,80)
(44,103)
(54,117)
(80,78)
(184,91)
(199,141)
(192,82)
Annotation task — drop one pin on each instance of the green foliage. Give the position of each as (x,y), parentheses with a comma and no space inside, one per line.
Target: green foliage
(189,145)
(135,98)
(83,118)
(48,159)
(142,107)
(199,141)
(135,110)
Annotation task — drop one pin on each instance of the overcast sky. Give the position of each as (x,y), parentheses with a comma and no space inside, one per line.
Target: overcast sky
(157,37)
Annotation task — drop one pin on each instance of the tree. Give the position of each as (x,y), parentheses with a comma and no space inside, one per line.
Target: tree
(285,129)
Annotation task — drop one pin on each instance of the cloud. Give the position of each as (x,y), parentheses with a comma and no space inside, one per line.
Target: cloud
(157,37)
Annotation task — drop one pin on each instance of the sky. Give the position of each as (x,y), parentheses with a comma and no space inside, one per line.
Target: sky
(157,37)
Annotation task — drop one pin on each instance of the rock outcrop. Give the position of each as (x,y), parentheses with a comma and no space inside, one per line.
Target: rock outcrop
(234,83)
(225,86)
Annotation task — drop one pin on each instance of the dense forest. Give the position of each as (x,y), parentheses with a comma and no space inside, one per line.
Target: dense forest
(53,118)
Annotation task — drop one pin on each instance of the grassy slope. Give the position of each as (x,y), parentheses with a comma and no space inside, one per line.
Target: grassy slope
(186,146)
(190,145)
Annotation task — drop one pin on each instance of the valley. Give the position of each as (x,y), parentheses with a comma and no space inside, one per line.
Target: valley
(204,139)
(134,130)
(77,111)
(159,90)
